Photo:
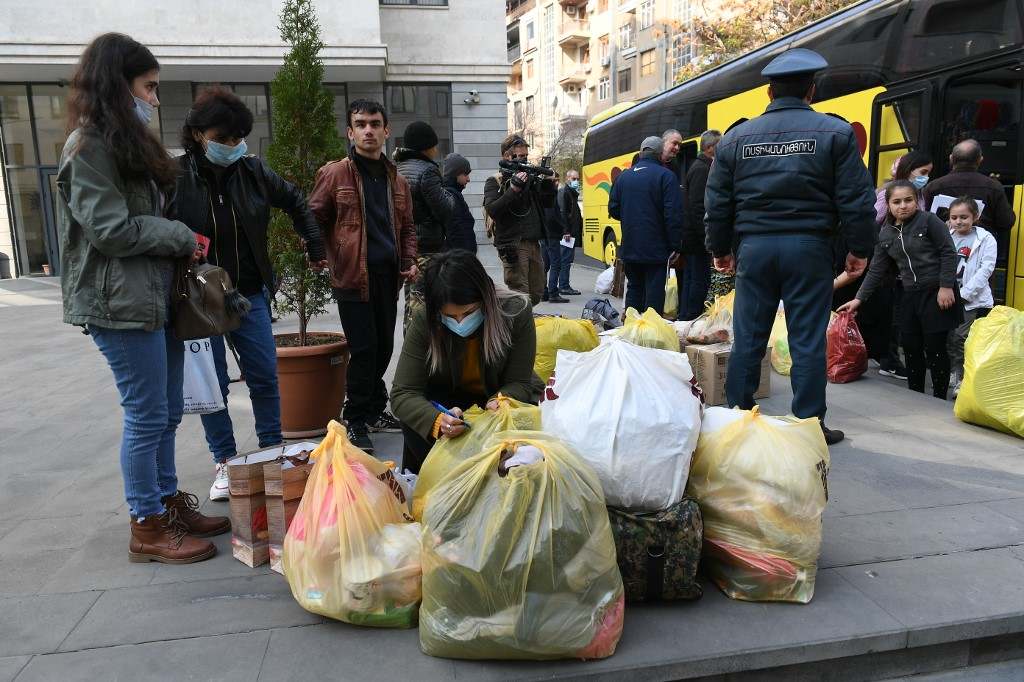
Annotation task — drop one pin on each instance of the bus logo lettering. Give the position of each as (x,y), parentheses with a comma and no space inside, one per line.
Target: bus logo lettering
(761,149)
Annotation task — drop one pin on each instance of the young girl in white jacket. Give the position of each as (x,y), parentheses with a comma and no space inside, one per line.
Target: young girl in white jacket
(976,259)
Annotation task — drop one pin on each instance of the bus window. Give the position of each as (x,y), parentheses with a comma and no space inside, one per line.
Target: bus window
(942,32)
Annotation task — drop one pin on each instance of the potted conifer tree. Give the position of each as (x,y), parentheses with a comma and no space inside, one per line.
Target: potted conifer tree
(311,365)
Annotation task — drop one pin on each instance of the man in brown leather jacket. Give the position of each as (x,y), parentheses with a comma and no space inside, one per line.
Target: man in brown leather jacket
(364,208)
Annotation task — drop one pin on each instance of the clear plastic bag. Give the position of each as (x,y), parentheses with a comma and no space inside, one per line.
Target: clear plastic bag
(649,330)
(448,453)
(715,324)
(778,342)
(992,392)
(520,565)
(556,333)
(761,483)
(671,295)
(350,552)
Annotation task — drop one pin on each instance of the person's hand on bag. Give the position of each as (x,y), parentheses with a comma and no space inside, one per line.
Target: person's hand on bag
(411,274)
(452,426)
(946,298)
(855,266)
(726,264)
(849,307)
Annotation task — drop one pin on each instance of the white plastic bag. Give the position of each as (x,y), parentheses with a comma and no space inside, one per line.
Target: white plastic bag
(201,387)
(605,281)
(634,414)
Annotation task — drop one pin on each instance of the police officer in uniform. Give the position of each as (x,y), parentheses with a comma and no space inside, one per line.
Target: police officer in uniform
(780,186)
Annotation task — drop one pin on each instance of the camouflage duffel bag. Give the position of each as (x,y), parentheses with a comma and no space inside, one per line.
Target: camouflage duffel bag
(658,552)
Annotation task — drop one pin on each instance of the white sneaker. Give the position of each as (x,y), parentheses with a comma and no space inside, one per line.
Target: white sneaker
(220,490)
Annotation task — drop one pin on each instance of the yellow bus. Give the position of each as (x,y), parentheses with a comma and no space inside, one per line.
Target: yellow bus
(907,74)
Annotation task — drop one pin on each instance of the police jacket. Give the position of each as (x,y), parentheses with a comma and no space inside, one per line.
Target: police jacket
(921,250)
(432,204)
(648,202)
(696,182)
(790,170)
(251,190)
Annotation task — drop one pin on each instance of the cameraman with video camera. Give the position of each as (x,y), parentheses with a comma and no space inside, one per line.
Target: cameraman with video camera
(515,200)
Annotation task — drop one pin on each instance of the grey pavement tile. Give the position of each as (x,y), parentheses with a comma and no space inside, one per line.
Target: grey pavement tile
(188,609)
(1014,508)
(38,624)
(24,573)
(101,564)
(223,658)
(347,652)
(1005,671)
(884,536)
(10,667)
(948,597)
(66,532)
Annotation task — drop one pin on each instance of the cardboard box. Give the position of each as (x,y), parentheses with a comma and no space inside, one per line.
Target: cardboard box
(711,363)
(276,553)
(252,554)
(285,478)
(280,513)
(284,481)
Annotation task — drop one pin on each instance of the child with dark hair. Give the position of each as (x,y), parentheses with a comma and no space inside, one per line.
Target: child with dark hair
(918,245)
(976,260)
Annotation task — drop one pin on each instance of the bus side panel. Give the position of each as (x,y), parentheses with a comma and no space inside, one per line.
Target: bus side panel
(1015,262)
(597,185)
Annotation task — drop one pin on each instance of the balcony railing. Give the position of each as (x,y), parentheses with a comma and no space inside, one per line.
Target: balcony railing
(514,53)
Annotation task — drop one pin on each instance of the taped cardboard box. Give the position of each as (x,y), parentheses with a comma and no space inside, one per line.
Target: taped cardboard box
(711,364)
(284,482)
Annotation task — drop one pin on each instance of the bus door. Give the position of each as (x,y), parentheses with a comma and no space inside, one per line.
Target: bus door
(987,107)
(900,122)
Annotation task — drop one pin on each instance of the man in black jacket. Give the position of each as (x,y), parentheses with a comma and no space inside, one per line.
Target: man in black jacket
(516,203)
(965,180)
(568,204)
(432,204)
(462,230)
(554,229)
(696,261)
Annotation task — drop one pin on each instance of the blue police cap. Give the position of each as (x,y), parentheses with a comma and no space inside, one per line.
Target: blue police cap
(795,62)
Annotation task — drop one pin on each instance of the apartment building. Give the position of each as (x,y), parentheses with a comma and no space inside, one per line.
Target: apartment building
(571,59)
(387,50)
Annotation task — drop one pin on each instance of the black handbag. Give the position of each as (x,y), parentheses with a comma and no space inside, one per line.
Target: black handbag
(205,302)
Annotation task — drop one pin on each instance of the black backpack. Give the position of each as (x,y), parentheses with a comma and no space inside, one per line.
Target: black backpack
(602,314)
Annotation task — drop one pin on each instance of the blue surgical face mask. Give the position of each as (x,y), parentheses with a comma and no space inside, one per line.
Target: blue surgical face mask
(469,324)
(920,181)
(575,184)
(144,110)
(224,154)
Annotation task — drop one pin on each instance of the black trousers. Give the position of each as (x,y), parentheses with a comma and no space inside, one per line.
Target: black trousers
(370,329)
(415,450)
(645,286)
(927,352)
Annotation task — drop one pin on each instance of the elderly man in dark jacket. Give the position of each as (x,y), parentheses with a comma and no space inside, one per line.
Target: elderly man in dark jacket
(462,230)
(648,203)
(966,180)
(696,264)
(432,204)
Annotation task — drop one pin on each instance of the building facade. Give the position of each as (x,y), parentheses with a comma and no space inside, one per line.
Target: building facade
(571,59)
(381,49)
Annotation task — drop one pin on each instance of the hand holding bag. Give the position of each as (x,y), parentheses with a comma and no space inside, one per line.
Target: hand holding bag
(205,302)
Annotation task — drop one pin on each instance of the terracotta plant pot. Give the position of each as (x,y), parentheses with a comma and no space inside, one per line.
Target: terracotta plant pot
(312,384)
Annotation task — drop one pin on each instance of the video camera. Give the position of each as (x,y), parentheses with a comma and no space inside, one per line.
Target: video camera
(534,172)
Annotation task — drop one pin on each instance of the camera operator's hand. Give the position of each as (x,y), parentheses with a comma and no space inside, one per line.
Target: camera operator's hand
(520,181)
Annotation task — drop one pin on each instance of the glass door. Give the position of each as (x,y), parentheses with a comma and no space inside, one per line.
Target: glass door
(48,183)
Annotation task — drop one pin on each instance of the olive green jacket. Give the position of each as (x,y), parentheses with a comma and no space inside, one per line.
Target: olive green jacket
(414,387)
(116,252)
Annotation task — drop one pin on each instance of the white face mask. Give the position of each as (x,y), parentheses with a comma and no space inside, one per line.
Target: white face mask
(144,110)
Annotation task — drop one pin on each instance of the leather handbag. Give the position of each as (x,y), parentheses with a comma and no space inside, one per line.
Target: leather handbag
(206,303)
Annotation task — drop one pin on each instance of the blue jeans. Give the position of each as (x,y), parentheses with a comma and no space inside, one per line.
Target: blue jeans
(568,256)
(257,357)
(796,268)
(553,263)
(147,369)
(694,285)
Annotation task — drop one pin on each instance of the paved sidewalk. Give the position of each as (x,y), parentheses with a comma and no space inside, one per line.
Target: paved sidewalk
(923,549)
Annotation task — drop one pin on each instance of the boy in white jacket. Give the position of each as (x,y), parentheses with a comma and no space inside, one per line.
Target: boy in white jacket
(976,259)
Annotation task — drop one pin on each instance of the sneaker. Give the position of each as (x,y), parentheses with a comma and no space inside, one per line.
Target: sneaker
(219,491)
(555,298)
(832,436)
(359,436)
(386,423)
(898,372)
(956,381)
(569,291)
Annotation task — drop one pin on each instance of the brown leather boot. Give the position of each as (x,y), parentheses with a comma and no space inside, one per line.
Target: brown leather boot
(165,538)
(187,506)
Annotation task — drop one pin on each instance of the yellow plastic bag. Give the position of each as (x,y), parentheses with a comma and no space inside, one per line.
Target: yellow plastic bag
(761,483)
(649,329)
(448,453)
(715,324)
(671,295)
(557,333)
(992,392)
(350,552)
(778,341)
(519,561)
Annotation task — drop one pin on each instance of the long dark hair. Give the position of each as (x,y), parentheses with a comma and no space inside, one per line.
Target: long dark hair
(457,277)
(909,162)
(101,100)
(215,108)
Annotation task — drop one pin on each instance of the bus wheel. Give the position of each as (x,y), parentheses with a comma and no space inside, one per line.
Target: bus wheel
(610,247)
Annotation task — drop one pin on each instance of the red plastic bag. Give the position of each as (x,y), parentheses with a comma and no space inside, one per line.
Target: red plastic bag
(847,354)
